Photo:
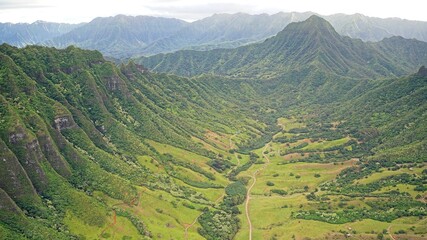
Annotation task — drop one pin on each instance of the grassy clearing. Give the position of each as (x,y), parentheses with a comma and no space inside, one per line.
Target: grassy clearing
(401,188)
(221,141)
(76,226)
(189,157)
(212,194)
(324,145)
(159,210)
(264,203)
(270,213)
(226,154)
(279,223)
(387,173)
(211,147)
(285,177)
(151,164)
(162,214)
(289,123)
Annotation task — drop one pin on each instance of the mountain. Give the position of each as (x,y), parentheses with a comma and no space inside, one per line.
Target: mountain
(301,46)
(120,36)
(78,133)
(23,34)
(225,31)
(125,36)
(376,29)
(92,150)
(233,30)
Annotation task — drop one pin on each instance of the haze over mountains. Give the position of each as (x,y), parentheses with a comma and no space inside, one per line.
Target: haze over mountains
(23,34)
(125,36)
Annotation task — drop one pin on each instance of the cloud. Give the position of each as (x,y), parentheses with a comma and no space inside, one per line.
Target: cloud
(20,4)
(198,11)
(85,10)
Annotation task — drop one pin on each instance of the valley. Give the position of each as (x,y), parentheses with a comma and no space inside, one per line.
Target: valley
(307,135)
(284,185)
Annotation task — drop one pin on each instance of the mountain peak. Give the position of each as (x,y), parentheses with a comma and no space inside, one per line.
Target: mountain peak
(315,18)
(314,25)
(315,22)
(313,30)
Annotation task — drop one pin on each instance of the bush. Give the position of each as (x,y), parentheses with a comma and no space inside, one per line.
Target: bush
(279,191)
(269,183)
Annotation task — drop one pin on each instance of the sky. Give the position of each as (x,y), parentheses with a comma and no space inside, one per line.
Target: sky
(77,11)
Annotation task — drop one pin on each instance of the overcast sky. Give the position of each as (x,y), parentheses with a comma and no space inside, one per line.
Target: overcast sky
(75,11)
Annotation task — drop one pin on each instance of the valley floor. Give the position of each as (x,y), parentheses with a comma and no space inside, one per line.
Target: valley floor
(269,215)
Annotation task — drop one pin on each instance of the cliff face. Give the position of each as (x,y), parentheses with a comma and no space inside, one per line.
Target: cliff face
(14,179)
(422,72)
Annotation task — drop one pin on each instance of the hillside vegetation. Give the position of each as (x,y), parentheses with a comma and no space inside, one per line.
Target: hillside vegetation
(309,49)
(295,138)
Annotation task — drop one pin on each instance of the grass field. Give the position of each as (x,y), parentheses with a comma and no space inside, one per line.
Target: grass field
(157,210)
(289,123)
(324,145)
(191,158)
(387,173)
(270,213)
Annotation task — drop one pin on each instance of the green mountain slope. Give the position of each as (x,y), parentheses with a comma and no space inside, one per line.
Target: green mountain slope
(233,30)
(312,44)
(73,124)
(94,150)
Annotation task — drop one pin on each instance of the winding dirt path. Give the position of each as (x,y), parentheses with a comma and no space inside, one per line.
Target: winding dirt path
(389,233)
(188,226)
(248,194)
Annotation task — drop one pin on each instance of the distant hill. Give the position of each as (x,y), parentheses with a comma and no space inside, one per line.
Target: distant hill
(119,36)
(225,31)
(376,29)
(126,36)
(23,34)
(298,49)
(232,30)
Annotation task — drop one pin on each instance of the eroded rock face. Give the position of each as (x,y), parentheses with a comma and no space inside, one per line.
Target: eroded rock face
(13,178)
(53,156)
(64,122)
(7,204)
(133,69)
(113,83)
(422,71)
(31,163)
(16,137)
(29,154)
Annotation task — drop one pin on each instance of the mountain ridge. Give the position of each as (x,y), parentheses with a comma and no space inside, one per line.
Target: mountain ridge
(119,36)
(120,39)
(300,45)
(22,34)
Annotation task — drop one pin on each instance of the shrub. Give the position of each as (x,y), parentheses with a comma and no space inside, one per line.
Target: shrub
(269,183)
